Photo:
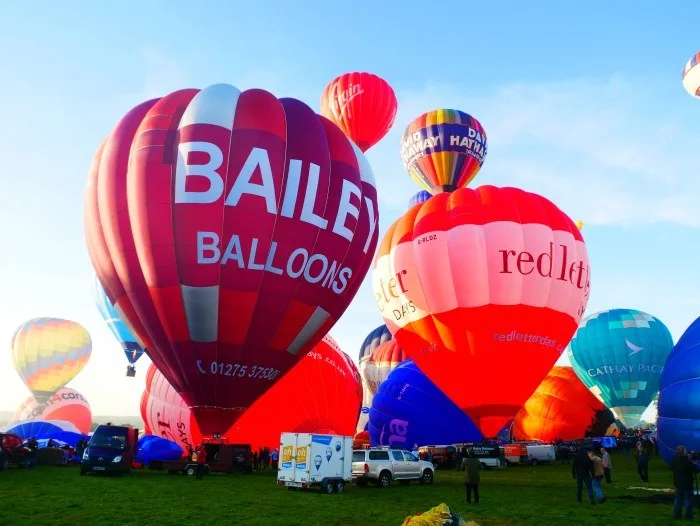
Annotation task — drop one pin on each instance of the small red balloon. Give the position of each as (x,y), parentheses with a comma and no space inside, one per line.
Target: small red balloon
(363,105)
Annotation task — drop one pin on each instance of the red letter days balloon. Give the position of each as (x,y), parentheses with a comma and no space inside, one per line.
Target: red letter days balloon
(362,105)
(479,285)
(562,407)
(231,230)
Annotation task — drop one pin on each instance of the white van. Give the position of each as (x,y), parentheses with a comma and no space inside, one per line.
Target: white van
(540,453)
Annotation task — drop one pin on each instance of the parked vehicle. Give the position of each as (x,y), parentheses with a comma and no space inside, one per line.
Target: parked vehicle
(14,452)
(490,456)
(110,450)
(515,453)
(540,453)
(308,460)
(383,465)
(221,457)
(443,457)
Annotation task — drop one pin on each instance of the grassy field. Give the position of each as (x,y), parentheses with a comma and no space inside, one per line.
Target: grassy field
(518,495)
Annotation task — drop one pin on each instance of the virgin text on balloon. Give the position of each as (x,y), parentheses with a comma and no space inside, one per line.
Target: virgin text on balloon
(622,369)
(343,98)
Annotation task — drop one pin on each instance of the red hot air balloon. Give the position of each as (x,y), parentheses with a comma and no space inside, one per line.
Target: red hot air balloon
(321,394)
(230,230)
(483,282)
(67,405)
(363,105)
(562,407)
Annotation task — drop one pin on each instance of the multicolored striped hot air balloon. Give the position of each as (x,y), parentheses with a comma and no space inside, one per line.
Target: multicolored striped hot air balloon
(121,332)
(48,353)
(691,76)
(443,150)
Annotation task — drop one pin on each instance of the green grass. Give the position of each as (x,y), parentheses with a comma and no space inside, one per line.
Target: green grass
(520,495)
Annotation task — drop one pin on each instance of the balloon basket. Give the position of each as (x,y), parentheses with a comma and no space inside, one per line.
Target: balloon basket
(130,371)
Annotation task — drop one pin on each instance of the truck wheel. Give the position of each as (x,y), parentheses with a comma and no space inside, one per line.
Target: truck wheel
(427,477)
(189,471)
(340,486)
(533,462)
(328,487)
(384,480)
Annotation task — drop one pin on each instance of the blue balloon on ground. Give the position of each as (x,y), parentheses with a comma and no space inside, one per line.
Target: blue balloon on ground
(420,197)
(678,423)
(409,409)
(151,447)
(45,430)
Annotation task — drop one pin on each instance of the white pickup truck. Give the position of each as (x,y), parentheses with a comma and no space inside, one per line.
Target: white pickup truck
(383,465)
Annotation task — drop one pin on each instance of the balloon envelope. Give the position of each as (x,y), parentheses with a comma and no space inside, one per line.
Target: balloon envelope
(678,423)
(373,340)
(443,149)
(67,405)
(230,230)
(562,408)
(691,76)
(44,430)
(475,281)
(121,332)
(363,105)
(157,448)
(409,409)
(619,355)
(47,353)
(320,394)
(420,197)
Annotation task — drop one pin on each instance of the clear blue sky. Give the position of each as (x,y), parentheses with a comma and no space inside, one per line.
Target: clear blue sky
(582,105)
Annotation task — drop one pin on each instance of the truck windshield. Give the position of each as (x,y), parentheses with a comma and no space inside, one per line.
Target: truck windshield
(109,437)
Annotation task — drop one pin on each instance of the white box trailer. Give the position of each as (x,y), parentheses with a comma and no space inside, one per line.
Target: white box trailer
(308,460)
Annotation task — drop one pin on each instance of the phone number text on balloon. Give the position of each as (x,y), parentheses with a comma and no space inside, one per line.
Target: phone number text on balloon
(239,371)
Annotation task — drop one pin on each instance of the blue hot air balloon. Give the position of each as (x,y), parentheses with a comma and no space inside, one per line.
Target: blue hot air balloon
(373,340)
(678,423)
(409,409)
(121,332)
(420,197)
(619,355)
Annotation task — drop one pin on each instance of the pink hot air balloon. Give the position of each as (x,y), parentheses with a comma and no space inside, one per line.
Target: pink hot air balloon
(230,230)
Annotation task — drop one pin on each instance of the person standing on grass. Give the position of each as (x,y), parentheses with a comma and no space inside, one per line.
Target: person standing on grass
(642,463)
(201,461)
(582,471)
(472,476)
(275,457)
(598,473)
(607,464)
(683,472)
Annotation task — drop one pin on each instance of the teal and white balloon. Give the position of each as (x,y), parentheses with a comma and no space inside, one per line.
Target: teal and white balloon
(619,354)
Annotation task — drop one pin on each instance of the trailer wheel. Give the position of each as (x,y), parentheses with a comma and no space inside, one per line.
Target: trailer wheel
(340,486)
(189,471)
(328,487)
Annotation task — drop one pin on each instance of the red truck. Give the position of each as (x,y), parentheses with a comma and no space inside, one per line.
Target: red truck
(221,457)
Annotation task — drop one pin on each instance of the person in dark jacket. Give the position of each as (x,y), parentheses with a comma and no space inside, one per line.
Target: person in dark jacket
(642,463)
(582,471)
(683,471)
(472,476)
